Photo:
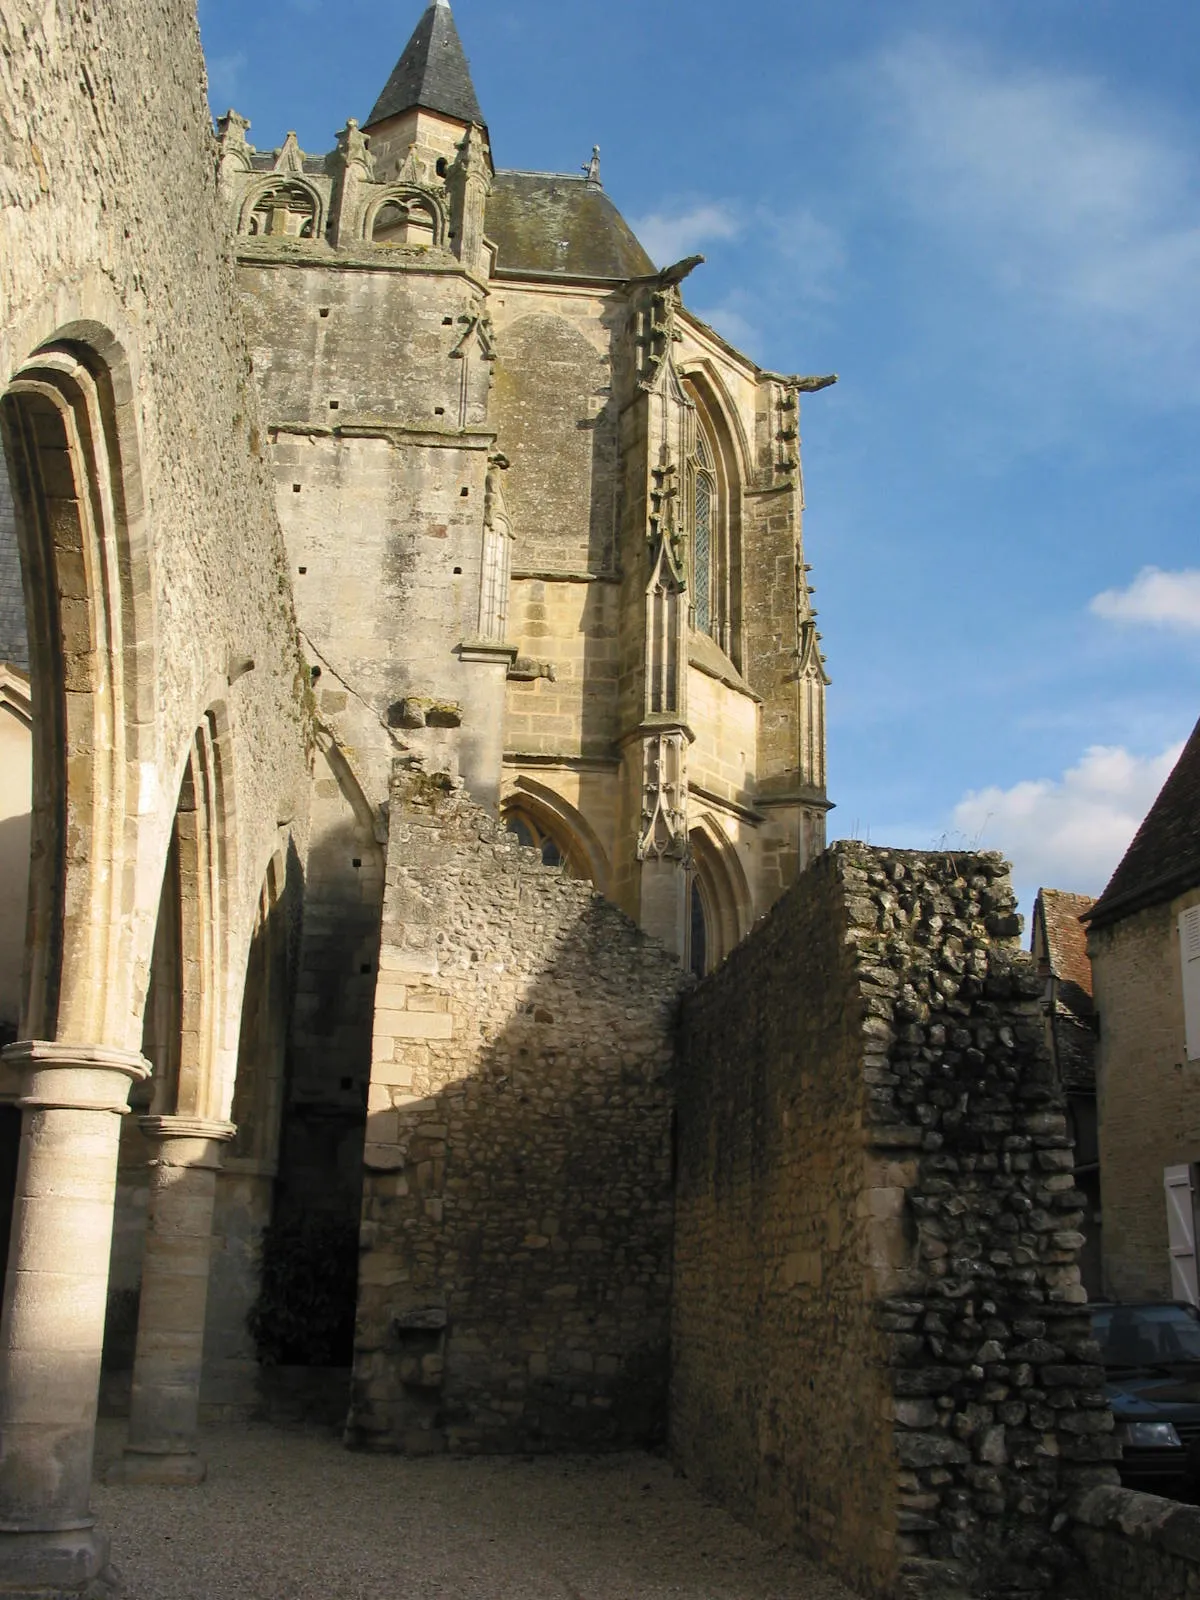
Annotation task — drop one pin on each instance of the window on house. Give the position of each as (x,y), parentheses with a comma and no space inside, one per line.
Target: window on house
(1189,955)
(1180,1185)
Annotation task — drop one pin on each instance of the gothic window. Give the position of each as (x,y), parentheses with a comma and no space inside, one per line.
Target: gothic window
(703,546)
(709,561)
(535,837)
(406,222)
(699,938)
(285,210)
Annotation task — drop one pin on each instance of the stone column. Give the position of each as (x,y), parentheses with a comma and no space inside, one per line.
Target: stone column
(55,1295)
(164,1412)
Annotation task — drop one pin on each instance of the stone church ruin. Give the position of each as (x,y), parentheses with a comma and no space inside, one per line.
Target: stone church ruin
(426,716)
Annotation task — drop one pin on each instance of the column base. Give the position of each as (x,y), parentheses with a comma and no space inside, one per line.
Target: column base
(144,1467)
(57,1566)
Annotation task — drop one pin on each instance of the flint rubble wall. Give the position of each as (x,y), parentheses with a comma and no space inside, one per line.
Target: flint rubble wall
(881,1348)
(515,1269)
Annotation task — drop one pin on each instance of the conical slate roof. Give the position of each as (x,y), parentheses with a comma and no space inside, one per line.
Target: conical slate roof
(432,73)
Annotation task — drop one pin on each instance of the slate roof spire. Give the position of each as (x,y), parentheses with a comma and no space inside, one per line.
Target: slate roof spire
(432,73)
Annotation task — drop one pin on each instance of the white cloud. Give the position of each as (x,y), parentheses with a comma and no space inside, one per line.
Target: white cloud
(670,235)
(1069,832)
(1077,206)
(224,79)
(1160,599)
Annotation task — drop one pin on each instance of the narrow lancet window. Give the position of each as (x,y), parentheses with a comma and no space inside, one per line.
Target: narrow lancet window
(703,539)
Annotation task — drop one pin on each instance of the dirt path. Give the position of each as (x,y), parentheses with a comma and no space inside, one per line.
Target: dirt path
(291,1515)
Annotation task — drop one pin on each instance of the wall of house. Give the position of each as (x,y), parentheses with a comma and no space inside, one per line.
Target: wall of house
(881,1348)
(1148,1094)
(514,1279)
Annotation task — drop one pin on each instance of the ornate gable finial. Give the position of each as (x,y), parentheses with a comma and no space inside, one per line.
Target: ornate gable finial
(354,148)
(231,137)
(591,169)
(290,158)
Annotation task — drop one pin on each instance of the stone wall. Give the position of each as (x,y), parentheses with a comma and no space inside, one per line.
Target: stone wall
(1137,1546)
(1148,1097)
(114,239)
(515,1269)
(880,1344)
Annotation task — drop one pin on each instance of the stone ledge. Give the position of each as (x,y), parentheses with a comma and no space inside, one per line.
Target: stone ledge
(1145,1519)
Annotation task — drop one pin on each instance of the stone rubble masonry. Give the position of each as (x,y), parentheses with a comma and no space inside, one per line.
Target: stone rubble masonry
(515,1264)
(880,1345)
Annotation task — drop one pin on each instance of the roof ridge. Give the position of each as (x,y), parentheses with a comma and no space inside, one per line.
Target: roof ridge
(1164,857)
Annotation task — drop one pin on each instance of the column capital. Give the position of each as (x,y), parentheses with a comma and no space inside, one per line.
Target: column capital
(187,1141)
(53,1075)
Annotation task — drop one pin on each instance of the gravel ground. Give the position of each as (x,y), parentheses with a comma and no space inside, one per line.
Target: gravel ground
(290,1515)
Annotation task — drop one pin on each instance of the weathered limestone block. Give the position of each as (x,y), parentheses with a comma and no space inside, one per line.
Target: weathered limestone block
(164,1412)
(71,1098)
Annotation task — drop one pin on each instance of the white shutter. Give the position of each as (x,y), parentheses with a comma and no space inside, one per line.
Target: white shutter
(1189,952)
(1181,1234)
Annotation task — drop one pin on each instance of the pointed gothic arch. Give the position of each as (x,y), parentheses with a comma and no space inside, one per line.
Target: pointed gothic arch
(721,905)
(539,817)
(69,433)
(186,1024)
(714,479)
(421,216)
(283,205)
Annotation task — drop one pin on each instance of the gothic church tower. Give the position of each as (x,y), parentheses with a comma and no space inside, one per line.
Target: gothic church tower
(545,524)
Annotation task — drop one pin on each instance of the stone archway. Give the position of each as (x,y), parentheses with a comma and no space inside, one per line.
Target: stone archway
(72,467)
(246,1185)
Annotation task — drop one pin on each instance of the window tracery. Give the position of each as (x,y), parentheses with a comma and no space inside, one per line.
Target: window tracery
(704,495)
(534,835)
(407,222)
(283,210)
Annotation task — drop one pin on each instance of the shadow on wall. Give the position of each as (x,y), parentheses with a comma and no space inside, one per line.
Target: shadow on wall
(514,1281)
(330,1040)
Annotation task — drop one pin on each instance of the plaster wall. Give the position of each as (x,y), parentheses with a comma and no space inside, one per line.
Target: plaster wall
(1148,1094)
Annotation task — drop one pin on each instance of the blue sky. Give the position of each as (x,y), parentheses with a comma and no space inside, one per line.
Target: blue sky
(985,216)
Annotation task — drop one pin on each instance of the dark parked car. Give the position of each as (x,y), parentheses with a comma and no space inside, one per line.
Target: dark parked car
(1151,1356)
